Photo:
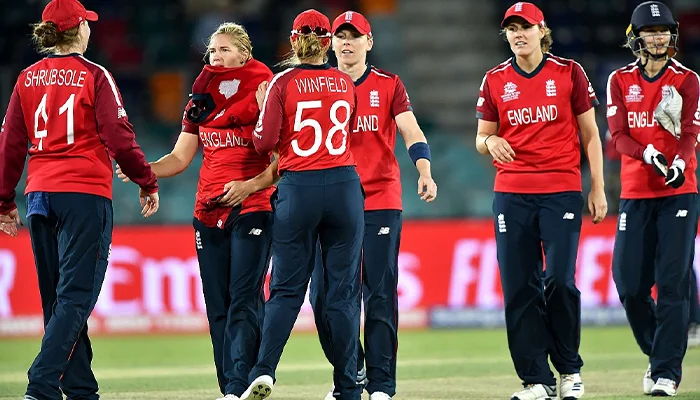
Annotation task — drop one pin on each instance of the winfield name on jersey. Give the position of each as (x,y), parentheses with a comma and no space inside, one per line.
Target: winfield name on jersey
(525,116)
(319,84)
(55,76)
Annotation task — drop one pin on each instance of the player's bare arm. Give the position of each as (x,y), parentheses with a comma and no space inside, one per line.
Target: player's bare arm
(488,142)
(175,162)
(597,204)
(412,134)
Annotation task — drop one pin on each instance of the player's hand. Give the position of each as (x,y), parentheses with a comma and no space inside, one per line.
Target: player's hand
(236,192)
(10,222)
(121,175)
(675,177)
(427,189)
(597,204)
(260,94)
(656,159)
(500,149)
(149,203)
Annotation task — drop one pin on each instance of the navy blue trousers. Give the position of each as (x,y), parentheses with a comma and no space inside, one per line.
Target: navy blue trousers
(312,206)
(232,265)
(654,245)
(71,237)
(542,309)
(380,279)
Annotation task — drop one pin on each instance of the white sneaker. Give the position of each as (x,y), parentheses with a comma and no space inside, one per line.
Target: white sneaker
(229,397)
(647,382)
(330,396)
(260,389)
(570,387)
(361,379)
(694,335)
(379,396)
(664,387)
(536,392)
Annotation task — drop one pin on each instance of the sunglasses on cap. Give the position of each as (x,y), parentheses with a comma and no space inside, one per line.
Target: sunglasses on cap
(307,30)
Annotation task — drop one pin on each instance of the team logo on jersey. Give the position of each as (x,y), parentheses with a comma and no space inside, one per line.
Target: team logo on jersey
(480,102)
(551,88)
(634,95)
(121,112)
(666,91)
(612,110)
(374,99)
(510,92)
(229,88)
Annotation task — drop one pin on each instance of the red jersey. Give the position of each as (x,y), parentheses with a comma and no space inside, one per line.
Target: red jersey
(632,99)
(307,112)
(381,96)
(229,155)
(537,113)
(71,111)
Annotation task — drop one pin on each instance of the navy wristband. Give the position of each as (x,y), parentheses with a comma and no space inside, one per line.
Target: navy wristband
(419,150)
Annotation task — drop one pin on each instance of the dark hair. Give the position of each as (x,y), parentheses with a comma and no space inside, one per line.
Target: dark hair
(48,39)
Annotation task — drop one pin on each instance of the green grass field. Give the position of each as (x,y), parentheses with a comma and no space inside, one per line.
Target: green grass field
(449,364)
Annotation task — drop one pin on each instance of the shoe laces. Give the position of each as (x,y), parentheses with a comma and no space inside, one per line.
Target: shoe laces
(568,378)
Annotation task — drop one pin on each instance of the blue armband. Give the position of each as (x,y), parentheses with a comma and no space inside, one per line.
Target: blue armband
(419,150)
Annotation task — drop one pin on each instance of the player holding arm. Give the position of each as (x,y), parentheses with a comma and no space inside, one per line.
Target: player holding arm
(232,234)
(307,114)
(654,117)
(71,112)
(530,110)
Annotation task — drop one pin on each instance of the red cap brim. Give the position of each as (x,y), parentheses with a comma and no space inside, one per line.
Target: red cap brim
(90,15)
(357,28)
(531,21)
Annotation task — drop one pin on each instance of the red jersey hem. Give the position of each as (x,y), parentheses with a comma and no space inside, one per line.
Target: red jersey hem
(634,195)
(537,182)
(89,188)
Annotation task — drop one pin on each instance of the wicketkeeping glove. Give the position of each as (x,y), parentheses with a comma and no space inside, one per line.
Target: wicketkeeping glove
(668,112)
(657,160)
(675,177)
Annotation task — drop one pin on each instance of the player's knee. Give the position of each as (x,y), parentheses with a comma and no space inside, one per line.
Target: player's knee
(672,292)
(380,312)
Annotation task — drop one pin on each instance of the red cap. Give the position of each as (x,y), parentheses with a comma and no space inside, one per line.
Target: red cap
(357,20)
(313,19)
(67,14)
(527,11)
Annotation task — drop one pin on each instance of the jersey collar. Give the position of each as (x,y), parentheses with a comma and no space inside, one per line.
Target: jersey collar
(364,76)
(63,55)
(657,76)
(531,74)
(311,66)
